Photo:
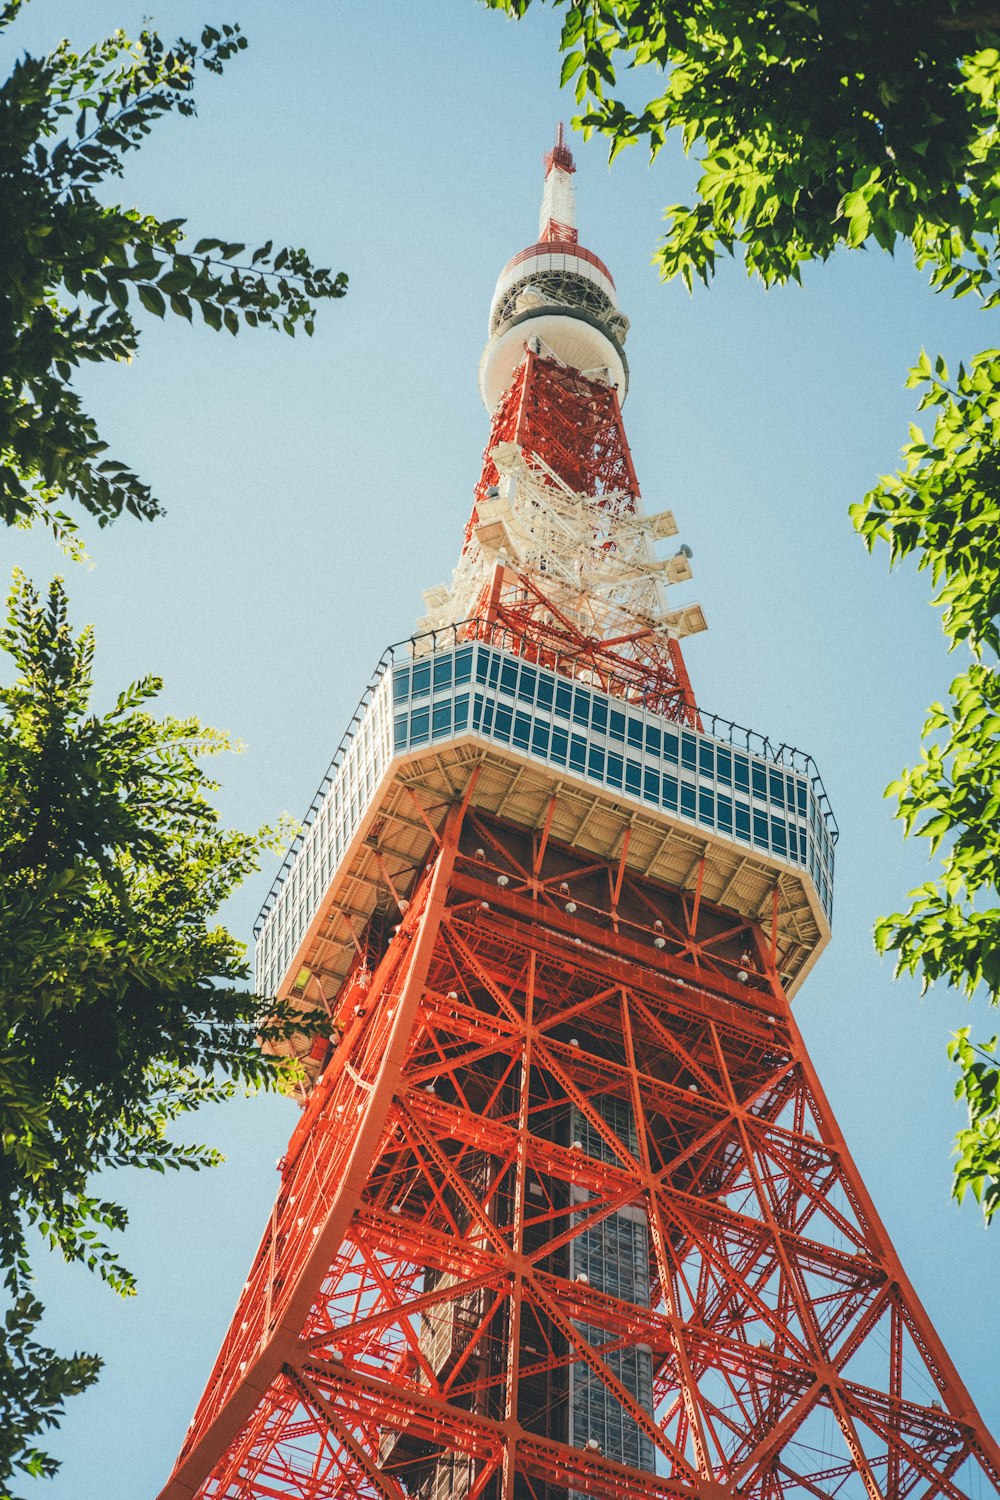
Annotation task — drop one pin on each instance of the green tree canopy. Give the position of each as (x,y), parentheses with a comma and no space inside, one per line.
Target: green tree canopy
(816,124)
(123,1001)
(820,124)
(76,269)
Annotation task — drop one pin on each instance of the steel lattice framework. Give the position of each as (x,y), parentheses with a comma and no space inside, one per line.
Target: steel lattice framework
(567,1213)
(565,433)
(572,422)
(409,1310)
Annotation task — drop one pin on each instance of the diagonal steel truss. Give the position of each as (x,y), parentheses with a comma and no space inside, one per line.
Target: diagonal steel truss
(412,1324)
(557,549)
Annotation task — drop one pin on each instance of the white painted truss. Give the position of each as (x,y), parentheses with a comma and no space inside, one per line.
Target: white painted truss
(591,556)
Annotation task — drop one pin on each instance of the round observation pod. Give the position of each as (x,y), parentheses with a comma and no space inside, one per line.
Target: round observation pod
(555,298)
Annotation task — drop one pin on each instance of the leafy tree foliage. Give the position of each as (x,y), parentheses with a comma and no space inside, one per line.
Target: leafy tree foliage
(828,123)
(817,124)
(76,270)
(122,1004)
(943,508)
(34,1384)
(122,1001)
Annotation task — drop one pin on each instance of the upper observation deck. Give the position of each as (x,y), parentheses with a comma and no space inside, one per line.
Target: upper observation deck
(753,815)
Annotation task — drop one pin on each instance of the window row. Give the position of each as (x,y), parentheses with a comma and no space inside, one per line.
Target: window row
(713,808)
(577,705)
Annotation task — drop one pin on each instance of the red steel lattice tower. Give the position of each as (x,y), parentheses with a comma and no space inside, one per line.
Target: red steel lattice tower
(566,1212)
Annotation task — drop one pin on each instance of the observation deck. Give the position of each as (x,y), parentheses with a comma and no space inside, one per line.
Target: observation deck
(752,815)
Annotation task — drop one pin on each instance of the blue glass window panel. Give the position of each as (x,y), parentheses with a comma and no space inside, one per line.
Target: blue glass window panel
(560,744)
(801,798)
(522,730)
(578,753)
(540,739)
(564,699)
(793,843)
(790,793)
(706,806)
(758,777)
(463,664)
(508,677)
(706,760)
(779,836)
(421,680)
(724,767)
(494,669)
(633,776)
(652,741)
(442,673)
(741,773)
(687,799)
(724,811)
(595,762)
(488,708)
(546,689)
(635,733)
(581,707)
(651,784)
(617,729)
(670,792)
(420,720)
(501,724)
(400,684)
(671,747)
(616,769)
(760,834)
(599,715)
(441,721)
(526,686)
(742,821)
(399,732)
(688,751)
(776,786)
(477,711)
(482,665)
(461,711)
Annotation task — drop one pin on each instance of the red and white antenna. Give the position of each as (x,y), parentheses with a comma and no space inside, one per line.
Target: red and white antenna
(559,550)
(558,217)
(556,295)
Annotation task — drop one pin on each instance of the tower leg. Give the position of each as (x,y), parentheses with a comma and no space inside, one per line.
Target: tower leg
(567,1214)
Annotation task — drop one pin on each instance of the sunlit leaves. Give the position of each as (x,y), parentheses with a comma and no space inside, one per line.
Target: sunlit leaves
(35,1383)
(76,272)
(943,509)
(843,122)
(978,1166)
(122,1000)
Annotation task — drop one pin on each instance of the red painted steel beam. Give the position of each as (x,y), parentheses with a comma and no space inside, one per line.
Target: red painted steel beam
(225,1424)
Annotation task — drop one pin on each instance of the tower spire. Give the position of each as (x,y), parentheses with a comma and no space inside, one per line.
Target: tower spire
(557,295)
(558,217)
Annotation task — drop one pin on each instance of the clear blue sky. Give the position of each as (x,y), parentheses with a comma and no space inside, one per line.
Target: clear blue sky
(314,488)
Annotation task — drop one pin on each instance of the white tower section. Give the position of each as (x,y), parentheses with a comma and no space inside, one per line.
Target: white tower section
(556,294)
(594,556)
(558,217)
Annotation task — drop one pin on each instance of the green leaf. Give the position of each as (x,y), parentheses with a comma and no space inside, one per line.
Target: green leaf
(152,299)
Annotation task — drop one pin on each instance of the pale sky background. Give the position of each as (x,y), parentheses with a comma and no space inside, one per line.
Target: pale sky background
(314,488)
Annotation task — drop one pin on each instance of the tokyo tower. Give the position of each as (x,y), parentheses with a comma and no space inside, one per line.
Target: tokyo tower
(566,1212)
